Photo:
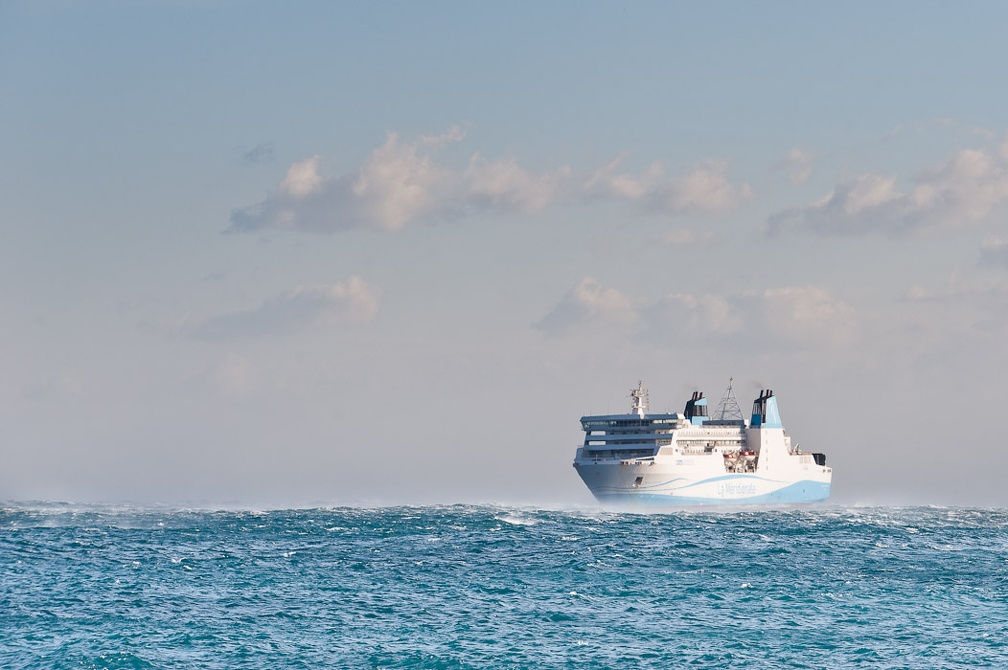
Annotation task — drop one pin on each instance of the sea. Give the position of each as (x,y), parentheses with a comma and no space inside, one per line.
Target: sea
(486,586)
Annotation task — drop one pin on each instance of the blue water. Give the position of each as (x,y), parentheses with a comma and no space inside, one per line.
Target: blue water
(501,587)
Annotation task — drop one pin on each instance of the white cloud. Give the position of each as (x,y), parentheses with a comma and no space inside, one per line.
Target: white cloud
(966,188)
(399,182)
(867,192)
(505,185)
(795,317)
(789,316)
(806,315)
(591,305)
(606,181)
(351,301)
(705,189)
(695,319)
(402,182)
(798,164)
(302,178)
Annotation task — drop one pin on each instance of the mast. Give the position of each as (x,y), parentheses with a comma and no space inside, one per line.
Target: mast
(728,409)
(641,401)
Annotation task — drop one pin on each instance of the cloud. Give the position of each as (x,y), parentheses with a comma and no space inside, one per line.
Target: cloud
(260,153)
(351,301)
(987,294)
(503,184)
(704,189)
(802,317)
(590,305)
(798,164)
(402,182)
(994,252)
(302,178)
(789,316)
(973,311)
(398,183)
(695,318)
(965,189)
(860,205)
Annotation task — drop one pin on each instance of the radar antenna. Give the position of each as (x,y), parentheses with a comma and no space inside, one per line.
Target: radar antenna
(728,409)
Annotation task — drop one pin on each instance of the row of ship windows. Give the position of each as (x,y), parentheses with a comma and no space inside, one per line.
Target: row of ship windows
(710,443)
(686,444)
(602,440)
(632,433)
(627,423)
(656,430)
(682,443)
(621,454)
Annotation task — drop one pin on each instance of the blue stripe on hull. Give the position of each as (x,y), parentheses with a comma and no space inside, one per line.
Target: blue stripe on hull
(800,492)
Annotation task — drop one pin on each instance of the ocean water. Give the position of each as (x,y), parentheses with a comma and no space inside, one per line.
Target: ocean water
(502,587)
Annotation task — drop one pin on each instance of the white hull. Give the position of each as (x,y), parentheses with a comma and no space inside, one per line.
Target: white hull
(674,485)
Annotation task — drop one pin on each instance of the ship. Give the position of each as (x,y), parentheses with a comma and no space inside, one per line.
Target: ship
(695,457)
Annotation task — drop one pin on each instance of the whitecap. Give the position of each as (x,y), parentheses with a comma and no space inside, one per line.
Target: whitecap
(516,520)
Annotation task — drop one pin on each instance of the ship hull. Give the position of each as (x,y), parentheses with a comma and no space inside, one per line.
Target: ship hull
(618,484)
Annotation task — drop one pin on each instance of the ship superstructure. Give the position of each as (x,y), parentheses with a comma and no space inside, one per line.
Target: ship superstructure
(695,458)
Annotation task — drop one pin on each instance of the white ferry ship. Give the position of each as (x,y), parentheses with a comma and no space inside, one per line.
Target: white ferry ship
(692,458)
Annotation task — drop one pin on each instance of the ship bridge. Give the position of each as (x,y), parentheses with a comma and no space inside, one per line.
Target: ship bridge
(628,428)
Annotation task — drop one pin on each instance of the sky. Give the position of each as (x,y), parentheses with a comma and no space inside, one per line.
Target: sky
(321,253)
